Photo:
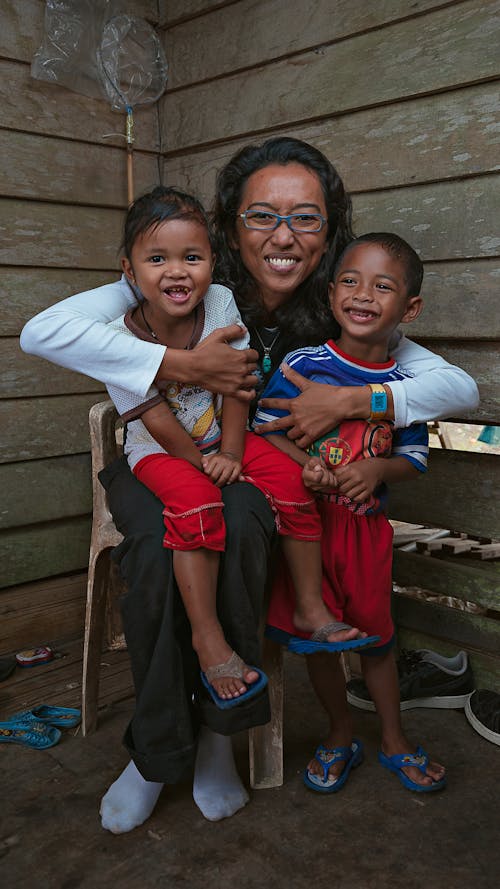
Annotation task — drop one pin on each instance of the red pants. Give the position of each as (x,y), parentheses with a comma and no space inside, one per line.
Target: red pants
(193,504)
(357,573)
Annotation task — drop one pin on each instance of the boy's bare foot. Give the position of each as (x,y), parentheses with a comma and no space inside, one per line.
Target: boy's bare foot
(429,773)
(314,619)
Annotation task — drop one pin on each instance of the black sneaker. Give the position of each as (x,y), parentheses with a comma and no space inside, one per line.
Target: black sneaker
(426,679)
(483,712)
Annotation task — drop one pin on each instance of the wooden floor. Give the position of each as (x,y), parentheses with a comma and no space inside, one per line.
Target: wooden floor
(374,834)
(59,682)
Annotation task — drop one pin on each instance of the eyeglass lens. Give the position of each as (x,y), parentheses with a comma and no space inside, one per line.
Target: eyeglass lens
(300,222)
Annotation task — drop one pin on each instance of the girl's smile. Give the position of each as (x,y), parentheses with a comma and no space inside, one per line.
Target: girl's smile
(171,263)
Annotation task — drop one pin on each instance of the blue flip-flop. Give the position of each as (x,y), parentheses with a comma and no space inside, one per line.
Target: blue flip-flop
(29,733)
(236,668)
(61,717)
(327,756)
(312,645)
(419,760)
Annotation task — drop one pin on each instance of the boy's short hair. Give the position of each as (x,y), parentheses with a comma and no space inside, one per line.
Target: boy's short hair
(397,247)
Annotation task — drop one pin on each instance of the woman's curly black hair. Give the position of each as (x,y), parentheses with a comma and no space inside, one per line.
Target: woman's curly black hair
(306,317)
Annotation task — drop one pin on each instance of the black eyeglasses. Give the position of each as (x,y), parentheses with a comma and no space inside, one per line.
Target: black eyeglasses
(264,220)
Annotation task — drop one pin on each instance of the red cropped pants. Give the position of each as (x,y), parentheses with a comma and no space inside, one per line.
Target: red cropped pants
(193,504)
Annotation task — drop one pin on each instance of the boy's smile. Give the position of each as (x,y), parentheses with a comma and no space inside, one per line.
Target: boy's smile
(172,265)
(369,298)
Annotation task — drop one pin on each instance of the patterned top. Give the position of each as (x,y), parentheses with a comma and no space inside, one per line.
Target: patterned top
(197,410)
(353,439)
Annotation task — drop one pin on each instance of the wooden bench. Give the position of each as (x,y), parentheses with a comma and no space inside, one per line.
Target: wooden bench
(103,590)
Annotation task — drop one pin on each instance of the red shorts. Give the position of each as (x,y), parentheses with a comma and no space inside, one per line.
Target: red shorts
(357,574)
(193,504)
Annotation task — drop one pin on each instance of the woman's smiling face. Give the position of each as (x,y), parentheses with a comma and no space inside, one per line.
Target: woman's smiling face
(282,259)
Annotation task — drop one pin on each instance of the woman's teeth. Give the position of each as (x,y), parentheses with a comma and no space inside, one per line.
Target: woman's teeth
(281,262)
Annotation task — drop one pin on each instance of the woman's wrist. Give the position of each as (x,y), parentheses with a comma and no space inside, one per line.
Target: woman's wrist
(358,402)
(177,364)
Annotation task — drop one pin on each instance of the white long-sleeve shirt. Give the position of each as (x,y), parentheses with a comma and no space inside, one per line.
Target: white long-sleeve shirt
(75,334)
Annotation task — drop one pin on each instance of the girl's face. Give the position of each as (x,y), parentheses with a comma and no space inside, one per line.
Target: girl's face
(369,298)
(282,259)
(171,264)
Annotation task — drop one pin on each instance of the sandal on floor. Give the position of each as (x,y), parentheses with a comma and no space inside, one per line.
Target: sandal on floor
(327,756)
(29,733)
(235,668)
(61,717)
(318,640)
(419,760)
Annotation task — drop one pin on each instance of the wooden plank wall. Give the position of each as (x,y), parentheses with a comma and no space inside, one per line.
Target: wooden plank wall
(404,98)
(62,195)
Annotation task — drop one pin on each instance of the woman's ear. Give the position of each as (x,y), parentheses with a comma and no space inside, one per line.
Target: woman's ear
(414,306)
(128,270)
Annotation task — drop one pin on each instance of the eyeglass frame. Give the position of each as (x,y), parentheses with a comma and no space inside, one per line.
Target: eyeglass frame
(288,219)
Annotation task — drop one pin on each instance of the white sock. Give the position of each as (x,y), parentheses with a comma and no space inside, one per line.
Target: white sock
(129,801)
(217,788)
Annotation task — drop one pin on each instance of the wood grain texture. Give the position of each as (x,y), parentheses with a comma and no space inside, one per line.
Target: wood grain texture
(441,136)
(26,291)
(62,171)
(454,46)
(456,493)
(52,110)
(38,551)
(37,613)
(461,578)
(25,488)
(249,40)
(23,25)
(89,238)
(24,375)
(35,428)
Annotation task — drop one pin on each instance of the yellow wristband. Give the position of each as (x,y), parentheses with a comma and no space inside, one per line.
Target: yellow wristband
(378,403)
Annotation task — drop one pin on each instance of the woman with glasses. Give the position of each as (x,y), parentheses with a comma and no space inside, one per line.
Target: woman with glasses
(281,218)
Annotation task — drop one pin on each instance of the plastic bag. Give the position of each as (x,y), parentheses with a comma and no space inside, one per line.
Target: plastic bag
(93,48)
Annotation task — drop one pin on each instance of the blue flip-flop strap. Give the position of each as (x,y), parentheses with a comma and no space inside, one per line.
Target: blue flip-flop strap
(418,760)
(338,754)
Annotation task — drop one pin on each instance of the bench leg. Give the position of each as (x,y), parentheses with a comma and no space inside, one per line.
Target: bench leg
(266,741)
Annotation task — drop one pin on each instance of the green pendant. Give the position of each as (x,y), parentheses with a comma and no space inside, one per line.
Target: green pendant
(266,363)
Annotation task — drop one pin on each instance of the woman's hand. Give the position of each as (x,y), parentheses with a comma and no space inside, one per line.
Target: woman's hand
(222,468)
(317,409)
(214,365)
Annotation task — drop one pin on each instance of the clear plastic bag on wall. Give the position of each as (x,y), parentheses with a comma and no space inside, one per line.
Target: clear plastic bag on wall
(92,47)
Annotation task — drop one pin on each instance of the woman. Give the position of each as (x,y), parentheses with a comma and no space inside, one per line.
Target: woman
(279,277)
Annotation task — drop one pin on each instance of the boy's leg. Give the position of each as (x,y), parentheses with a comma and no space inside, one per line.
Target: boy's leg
(381,677)
(328,680)
(280,479)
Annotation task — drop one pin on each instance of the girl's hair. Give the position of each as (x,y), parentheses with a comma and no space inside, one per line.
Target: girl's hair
(160,205)
(397,247)
(306,317)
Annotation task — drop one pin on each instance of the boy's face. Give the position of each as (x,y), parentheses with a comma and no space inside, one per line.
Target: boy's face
(369,298)
(172,266)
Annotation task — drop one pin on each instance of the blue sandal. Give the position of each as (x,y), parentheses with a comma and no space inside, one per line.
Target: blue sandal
(61,717)
(318,641)
(419,760)
(234,667)
(29,733)
(326,756)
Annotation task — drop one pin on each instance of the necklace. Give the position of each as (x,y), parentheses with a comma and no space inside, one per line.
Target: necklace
(266,361)
(199,321)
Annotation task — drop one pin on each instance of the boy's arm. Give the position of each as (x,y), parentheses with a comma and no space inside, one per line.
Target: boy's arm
(288,447)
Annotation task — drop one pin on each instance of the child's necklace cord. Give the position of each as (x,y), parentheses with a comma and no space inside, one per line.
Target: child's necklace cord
(199,318)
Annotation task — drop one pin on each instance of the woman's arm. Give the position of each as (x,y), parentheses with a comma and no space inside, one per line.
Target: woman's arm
(435,391)
(74,333)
